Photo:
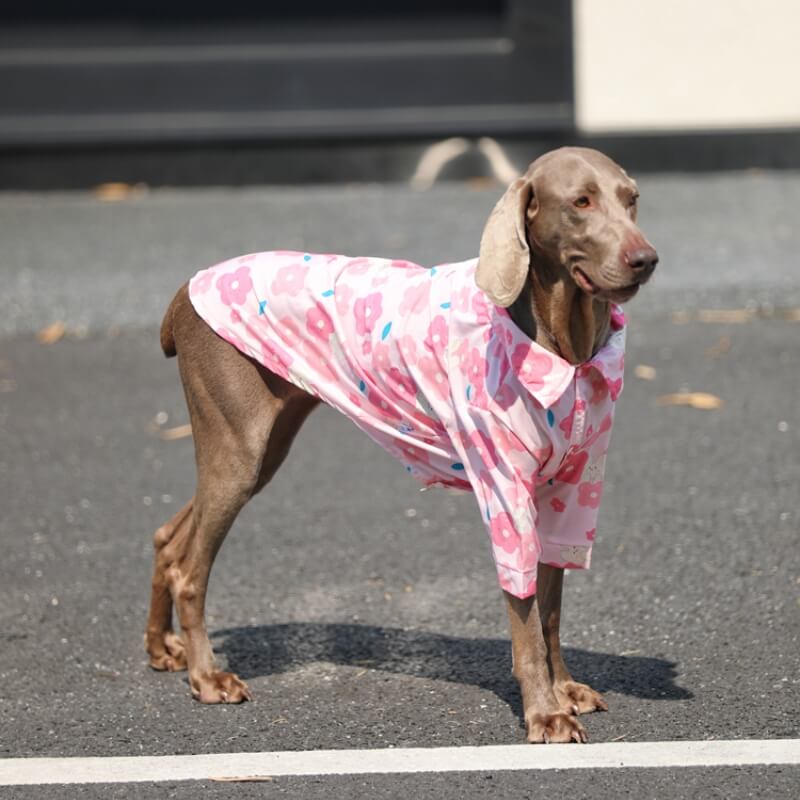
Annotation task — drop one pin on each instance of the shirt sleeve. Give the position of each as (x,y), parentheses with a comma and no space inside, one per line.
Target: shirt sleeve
(503,474)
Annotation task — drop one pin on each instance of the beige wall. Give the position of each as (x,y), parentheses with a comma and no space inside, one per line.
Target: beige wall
(687,64)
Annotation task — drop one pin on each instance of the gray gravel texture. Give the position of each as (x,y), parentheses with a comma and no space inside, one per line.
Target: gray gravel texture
(361,612)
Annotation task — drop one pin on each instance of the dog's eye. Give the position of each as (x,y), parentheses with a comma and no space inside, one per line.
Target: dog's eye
(582,202)
(632,201)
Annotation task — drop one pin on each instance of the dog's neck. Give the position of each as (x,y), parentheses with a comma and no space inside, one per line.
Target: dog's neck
(552,311)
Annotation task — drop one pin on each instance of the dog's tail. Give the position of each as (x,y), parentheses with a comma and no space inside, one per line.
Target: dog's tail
(167,335)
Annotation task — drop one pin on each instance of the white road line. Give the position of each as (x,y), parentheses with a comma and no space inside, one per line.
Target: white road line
(37,771)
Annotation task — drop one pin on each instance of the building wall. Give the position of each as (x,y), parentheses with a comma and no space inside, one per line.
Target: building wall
(661,65)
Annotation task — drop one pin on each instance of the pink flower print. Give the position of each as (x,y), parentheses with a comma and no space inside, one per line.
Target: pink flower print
(591,534)
(572,468)
(615,388)
(274,354)
(505,440)
(530,587)
(461,299)
(290,279)
(485,447)
(343,294)
(599,388)
(412,453)
(506,584)
(435,378)
(202,283)
(531,366)
(589,494)
(358,266)
(367,310)
(382,405)
(473,365)
(415,298)
(605,425)
(558,505)
(318,360)
(438,333)
(290,333)
(236,317)
(401,384)
(408,349)
(318,322)
(480,306)
(381,358)
(501,527)
(617,318)
(505,397)
(234,286)
(567,422)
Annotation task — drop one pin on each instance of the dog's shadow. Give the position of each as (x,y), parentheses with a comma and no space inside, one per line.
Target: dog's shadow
(254,651)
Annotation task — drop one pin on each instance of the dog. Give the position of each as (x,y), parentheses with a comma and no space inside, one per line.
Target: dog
(496,376)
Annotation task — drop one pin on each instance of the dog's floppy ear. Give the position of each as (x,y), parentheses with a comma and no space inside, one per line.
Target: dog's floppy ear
(505,255)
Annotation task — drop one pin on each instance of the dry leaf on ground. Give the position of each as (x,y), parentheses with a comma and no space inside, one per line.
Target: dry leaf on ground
(114,191)
(726,315)
(699,400)
(645,372)
(52,333)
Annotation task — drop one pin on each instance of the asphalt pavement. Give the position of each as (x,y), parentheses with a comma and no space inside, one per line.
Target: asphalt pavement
(362,612)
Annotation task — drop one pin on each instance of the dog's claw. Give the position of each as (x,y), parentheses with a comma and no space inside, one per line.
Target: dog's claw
(578,698)
(581,737)
(219,687)
(557,727)
(167,653)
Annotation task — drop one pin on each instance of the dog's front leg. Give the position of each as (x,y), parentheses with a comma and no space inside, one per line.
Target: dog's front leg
(570,693)
(545,720)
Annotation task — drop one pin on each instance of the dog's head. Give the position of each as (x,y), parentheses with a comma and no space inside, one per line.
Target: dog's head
(573,211)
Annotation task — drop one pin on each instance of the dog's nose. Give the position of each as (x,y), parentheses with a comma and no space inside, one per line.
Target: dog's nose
(641,259)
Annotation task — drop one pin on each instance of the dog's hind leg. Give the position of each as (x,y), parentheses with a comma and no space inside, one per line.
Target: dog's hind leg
(243,419)
(164,646)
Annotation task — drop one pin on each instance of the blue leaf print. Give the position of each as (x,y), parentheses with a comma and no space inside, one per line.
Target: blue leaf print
(386,328)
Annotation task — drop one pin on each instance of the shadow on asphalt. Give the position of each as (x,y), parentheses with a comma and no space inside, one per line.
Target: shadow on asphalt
(255,651)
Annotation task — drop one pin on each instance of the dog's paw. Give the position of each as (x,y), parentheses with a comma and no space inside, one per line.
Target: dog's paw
(166,651)
(558,727)
(219,687)
(578,698)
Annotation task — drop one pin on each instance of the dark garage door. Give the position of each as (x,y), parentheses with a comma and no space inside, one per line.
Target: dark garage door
(177,70)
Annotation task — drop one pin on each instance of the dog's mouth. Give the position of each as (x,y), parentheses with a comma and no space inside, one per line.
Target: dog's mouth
(618,294)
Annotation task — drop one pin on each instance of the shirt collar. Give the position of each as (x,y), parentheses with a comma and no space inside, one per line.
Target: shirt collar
(547,376)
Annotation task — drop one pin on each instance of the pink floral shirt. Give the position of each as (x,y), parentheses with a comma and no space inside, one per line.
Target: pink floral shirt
(422,362)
